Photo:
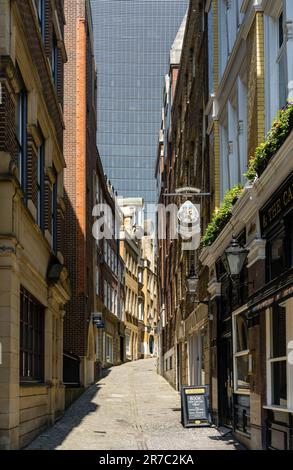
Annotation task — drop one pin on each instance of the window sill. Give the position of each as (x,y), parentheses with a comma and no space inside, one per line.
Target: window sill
(242,433)
(33,384)
(277,408)
(241,392)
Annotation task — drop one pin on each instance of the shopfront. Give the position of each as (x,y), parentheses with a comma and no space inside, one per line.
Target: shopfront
(233,349)
(274,303)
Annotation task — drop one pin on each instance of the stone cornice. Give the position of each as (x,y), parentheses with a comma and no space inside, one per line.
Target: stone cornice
(214,288)
(257,251)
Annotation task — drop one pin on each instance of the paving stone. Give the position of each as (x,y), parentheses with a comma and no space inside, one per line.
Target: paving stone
(131,408)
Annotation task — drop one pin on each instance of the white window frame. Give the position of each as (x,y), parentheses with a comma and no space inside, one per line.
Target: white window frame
(223,37)
(237,354)
(288,305)
(273,55)
(224,157)
(282,55)
(105,293)
(242,126)
(109,345)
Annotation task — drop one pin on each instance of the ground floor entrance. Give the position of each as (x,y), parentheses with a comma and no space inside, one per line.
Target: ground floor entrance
(226,381)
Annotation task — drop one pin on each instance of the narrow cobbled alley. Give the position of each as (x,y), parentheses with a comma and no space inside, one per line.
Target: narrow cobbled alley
(132,407)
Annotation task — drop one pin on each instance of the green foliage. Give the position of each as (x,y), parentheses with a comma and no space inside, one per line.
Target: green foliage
(279,132)
(221,217)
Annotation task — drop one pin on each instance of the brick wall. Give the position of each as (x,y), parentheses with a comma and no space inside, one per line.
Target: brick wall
(256,88)
(81,160)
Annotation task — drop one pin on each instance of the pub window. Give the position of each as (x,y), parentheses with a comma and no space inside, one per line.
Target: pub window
(41,185)
(241,351)
(275,255)
(280,249)
(289,240)
(277,357)
(21,135)
(31,338)
(54,211)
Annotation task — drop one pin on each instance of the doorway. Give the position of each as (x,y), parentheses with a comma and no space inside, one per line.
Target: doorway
(226,382)
(121,349)
(151,345)
(195,360)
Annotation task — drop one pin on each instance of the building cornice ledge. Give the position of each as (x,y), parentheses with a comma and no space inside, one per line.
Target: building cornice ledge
(278,168)
(244,207)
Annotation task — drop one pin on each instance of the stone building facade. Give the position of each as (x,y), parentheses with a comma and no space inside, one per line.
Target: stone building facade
(34,286)
(110,273)
(147,299)
(131,209)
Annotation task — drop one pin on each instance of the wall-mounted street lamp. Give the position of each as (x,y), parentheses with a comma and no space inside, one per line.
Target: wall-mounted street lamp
(235,257)
(191,288)
(192,282)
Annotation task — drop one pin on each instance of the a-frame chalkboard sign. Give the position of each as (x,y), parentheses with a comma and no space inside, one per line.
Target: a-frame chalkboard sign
(195,406)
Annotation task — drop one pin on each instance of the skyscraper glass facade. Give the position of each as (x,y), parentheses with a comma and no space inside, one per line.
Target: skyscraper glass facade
(132,41)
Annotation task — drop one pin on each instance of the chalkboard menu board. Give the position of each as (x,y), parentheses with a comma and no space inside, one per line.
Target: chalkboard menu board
(195,406)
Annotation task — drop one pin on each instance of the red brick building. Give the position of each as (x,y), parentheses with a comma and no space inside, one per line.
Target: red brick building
(81,159)
(34,286)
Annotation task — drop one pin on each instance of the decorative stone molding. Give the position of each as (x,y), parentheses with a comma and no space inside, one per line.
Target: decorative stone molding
(214,288)
(34,131)
(7,249)
(32,208)
(289,30)
(257,251)
(7,165)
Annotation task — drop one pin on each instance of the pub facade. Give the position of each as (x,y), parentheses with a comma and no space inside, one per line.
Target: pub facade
(252,321)
(250,310)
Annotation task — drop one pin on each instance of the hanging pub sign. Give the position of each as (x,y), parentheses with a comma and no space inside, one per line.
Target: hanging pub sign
(189,222)
(195,406)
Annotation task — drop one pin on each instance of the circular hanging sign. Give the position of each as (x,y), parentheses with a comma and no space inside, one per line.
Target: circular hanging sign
(189,220)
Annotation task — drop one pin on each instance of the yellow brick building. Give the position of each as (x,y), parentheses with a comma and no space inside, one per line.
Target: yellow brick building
(147,306)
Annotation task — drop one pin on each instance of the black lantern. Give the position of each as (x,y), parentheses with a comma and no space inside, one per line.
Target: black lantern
(235,257)
(192,281)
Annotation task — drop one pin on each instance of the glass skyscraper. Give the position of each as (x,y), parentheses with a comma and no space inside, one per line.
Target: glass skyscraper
(132,41)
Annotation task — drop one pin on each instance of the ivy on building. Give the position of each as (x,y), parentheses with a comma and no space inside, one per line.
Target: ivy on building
(279,132)
(221,216)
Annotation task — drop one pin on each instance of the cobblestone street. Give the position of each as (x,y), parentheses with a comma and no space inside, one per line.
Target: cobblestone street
(131,408)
